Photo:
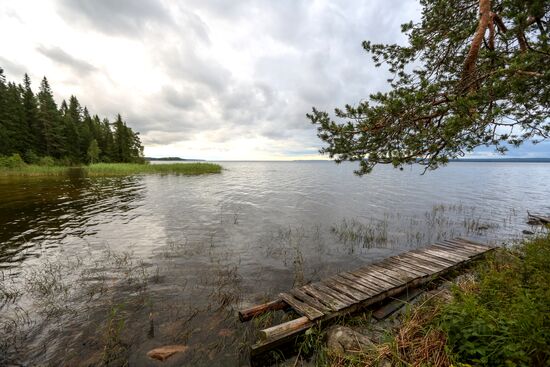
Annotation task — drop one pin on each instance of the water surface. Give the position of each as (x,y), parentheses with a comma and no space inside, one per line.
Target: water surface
(104,269)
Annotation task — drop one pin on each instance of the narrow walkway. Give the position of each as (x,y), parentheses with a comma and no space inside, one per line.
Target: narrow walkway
(350,291)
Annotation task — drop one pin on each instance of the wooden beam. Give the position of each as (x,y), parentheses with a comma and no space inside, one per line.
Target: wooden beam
(284,328)
(250,313)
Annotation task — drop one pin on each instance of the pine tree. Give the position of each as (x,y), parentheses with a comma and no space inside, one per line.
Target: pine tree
(474,73)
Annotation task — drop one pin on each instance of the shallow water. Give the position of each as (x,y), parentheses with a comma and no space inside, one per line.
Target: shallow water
(104,269)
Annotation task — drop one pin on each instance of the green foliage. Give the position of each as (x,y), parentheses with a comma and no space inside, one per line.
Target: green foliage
(13,162)
(93,151)
(33,127)
(462,81)
(46,162)
(505,319)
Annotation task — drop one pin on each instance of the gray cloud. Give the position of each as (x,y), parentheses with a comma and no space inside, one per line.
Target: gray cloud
(58,55)
(11,69)
(115,16)
(225,69)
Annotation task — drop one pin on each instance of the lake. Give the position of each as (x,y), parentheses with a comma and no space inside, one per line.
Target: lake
(105,269)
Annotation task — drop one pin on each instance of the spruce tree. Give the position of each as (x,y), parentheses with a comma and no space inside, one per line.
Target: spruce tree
(32,126)
(4,145)
(52,141)
(30,108)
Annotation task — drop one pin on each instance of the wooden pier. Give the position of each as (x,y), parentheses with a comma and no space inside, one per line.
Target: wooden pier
(348,292)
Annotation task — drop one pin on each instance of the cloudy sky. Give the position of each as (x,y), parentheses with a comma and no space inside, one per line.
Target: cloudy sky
(211,79)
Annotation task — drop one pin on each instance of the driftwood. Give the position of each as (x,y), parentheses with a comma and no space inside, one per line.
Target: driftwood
(535,219)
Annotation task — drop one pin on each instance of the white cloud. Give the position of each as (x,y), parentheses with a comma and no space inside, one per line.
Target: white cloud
(205,78)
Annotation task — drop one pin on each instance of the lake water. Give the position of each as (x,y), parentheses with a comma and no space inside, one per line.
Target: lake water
(105,269)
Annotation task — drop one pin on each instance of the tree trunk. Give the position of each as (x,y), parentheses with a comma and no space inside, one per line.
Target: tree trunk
(469,71)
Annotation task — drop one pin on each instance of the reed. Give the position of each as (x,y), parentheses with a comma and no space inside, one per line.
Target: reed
(112,169)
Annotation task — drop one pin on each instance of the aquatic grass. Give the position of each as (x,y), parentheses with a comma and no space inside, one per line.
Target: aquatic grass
(115,351)
(112,169)
(368,235)
(34,170)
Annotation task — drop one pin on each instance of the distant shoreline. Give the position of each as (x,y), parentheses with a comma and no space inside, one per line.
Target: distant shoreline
(172,159)
(461,160)
(503,160)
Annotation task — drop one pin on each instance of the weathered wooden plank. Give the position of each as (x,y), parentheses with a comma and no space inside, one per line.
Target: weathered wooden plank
(356,285)
(396,264)
(334,304)
(472,242)
(458,250)
(304,297)
(429,266)
(346,300)
(375,274)
(249,313)
(348,291)
(445,261)
(410,268)
(281,329)
(432,259)
(301,307)
(366,277)
(404,278)
(369,284)
(406,275)
(479,248)
(445,254)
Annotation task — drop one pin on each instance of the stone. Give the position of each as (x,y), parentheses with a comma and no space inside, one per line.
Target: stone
(342,340)
(167,351)
(525,231)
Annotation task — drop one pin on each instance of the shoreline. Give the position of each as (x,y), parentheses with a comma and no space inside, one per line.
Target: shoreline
(112,169)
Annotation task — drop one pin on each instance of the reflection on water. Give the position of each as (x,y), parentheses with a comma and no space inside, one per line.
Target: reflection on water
(101,270)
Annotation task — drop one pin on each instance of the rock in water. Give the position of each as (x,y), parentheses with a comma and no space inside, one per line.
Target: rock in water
(343,340)
(167,351)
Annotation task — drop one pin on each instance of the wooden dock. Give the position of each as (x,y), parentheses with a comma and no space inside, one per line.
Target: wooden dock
(351,291)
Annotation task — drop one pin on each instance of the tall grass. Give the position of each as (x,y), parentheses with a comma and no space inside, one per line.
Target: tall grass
(112,169)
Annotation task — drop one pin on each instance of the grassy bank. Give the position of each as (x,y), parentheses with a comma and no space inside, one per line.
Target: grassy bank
(112,169)
(497,314)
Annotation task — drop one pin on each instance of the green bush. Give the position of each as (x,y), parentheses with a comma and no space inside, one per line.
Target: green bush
(505,319)
(31,157)
(46,161)
(13,161)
